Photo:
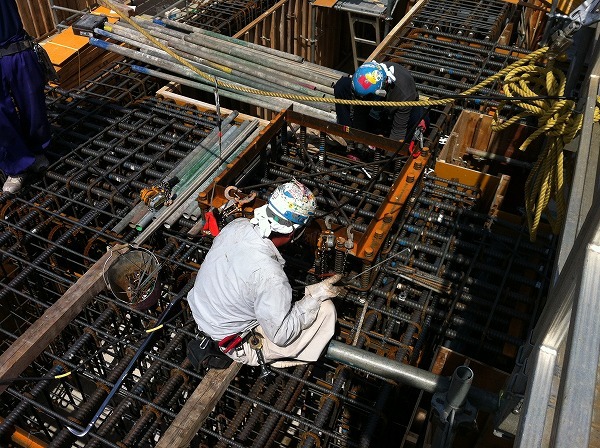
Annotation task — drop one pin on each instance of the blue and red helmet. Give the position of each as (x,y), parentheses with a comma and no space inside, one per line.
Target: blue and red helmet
(368,79)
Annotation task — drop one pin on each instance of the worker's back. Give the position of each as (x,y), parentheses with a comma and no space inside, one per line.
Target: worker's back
(230,284)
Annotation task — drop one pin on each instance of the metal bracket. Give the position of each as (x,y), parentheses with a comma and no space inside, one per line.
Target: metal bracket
(585,14)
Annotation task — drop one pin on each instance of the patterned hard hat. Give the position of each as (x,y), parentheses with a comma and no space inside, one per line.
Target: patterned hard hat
(293,201)
(368,79)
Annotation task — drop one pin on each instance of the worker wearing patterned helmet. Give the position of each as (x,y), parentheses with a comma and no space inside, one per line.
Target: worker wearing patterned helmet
(374,81)
(241,286)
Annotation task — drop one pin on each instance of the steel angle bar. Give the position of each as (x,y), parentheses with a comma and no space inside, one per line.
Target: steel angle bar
(167,211)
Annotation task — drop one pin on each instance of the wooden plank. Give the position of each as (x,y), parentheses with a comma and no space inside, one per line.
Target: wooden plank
(481,139)
(43,331)
(504,38)
(165,92)
(499,196)
(63,47)
(447,148)
(197,408)
(325,3)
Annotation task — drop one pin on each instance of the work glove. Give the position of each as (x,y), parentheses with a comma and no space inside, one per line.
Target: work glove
(324,290)
(308,307)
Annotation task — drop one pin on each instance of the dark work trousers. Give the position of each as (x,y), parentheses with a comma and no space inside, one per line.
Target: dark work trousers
(343,90)
(24,126)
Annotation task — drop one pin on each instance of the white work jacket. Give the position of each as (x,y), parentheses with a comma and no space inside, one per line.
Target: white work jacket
(241,283)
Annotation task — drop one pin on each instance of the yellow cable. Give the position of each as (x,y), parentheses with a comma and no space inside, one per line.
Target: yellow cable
(150,330)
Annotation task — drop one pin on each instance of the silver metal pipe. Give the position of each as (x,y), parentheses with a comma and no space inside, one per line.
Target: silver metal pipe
(388,368)
(271,103)
(461,381)
(254,63)
(136,39)
(280,65)
(497,157)
(232,40)
(406,374)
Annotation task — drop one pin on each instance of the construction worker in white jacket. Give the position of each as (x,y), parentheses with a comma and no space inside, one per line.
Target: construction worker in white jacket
(241,290)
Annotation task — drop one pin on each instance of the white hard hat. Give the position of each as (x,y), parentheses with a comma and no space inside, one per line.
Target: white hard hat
(293,202)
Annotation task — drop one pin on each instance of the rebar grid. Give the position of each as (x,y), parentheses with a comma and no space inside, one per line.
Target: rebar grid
(446,272)
(450,46)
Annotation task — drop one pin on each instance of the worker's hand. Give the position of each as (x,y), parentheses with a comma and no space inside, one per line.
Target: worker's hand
(325,289)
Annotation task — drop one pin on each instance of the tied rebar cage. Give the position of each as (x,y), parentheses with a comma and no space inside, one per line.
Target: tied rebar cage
(440,271)
(427,261)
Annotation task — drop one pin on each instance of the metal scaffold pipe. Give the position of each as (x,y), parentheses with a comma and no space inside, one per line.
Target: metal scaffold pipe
(215,53)
(405,374)
(232,40)
(245,55)
(216,63)
(271,103)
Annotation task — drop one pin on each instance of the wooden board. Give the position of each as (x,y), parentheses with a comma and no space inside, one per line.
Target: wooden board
(36,17)
(63,47)
(325,3)
(197,408)
(43,331)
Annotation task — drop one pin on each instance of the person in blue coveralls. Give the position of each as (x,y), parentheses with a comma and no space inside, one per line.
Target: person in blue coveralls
(24,127)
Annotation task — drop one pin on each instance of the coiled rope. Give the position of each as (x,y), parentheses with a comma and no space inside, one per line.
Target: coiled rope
(559,122)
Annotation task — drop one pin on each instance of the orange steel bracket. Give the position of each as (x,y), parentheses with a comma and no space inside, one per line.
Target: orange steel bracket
(370,243)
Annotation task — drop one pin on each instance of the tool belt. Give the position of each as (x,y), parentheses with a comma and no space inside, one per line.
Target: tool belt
(16,47)
(42,56)
(204,353)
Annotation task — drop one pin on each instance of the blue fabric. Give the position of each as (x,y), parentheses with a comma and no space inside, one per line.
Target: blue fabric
(11,26)
(24,126)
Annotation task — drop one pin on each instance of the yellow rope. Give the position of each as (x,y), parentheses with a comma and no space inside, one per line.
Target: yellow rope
(558,121)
